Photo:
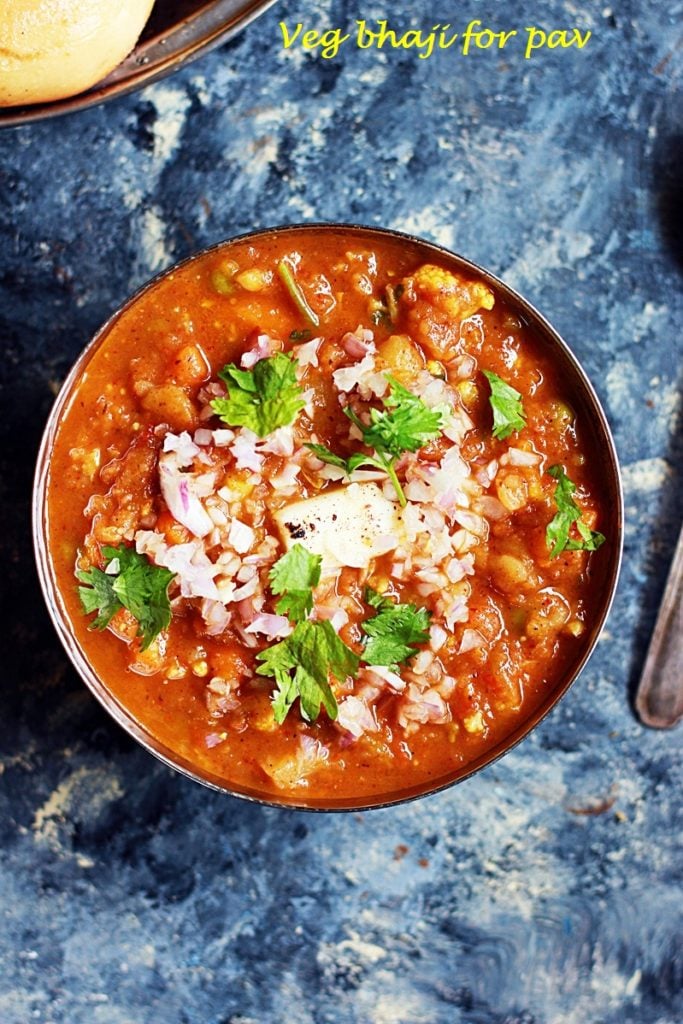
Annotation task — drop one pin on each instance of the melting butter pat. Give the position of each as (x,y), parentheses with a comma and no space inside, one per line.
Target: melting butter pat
(347,527)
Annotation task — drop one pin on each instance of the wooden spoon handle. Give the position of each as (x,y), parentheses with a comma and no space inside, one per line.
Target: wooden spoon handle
(659,700)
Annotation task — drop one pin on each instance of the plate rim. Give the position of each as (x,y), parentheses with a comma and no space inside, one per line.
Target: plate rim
(235,19)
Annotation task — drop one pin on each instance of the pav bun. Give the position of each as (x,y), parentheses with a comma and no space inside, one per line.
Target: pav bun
(50,49)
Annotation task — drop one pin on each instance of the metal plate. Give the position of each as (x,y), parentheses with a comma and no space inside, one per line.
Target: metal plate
(176,33)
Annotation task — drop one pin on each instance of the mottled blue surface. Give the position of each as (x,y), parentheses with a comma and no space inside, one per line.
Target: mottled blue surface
(128,894)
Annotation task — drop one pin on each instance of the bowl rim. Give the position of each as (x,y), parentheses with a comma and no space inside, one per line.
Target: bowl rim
(592,409)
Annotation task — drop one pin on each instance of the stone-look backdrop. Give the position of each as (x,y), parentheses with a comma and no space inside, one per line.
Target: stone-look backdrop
(547,889)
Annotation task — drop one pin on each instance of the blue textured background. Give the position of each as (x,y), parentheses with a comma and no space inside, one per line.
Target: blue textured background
(128,894)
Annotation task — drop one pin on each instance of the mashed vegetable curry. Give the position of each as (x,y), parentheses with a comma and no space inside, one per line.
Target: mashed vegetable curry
(322,518)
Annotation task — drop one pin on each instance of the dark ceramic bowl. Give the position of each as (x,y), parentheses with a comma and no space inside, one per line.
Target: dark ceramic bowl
(606,565)
(176,33)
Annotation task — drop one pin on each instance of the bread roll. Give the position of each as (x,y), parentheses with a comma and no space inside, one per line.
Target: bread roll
(50,49)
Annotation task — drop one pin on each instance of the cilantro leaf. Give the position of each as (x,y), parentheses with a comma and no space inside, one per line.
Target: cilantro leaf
(325,455)
(98,596)
(348,465)
(131,582)
(262,399)
(393,630)
(506,403)
(376,600)
(302,664)
(568,512)
(295,575)
(405,425)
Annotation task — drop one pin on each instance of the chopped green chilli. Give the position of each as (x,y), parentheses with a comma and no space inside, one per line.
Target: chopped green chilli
(393,294)
(296,294)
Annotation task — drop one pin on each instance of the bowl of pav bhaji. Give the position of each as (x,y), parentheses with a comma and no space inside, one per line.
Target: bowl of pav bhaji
(327,516)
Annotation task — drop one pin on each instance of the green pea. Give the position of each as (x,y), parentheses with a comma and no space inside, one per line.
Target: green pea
(221,283)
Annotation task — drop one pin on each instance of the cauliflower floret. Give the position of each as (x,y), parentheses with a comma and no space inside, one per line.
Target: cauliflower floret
(450,293)
(436,301)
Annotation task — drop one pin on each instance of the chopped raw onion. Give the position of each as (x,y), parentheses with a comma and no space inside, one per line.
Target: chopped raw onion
(307,354)
(465,366)
(272,626)
(215,615)
(337,617)
(491,507)
(421,662)
(280,442)
(222,438)
(214,739)
(286,478)
(471,640)
(241,537)
(203,436)
(265,347)
(437,636)
(392,679)
(189,561)
(184,448)
(355,717)
(348,377)
(473,523)
(422,707)
(179,491)
(249,588)
(244,450)
(359,343)
(520,457)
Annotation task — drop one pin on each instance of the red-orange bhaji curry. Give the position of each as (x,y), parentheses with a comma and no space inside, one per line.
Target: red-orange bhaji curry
(329,516)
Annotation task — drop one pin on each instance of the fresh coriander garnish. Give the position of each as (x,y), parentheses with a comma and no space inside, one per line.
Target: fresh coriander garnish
(301,666)
(377,600)
(393,630)
(325,455)
(506,403)
(294,576)
(296,294)
(405,425)
(133,582)
(303,335)
(568,512)
(302,663)
(262,399)
(348,465)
